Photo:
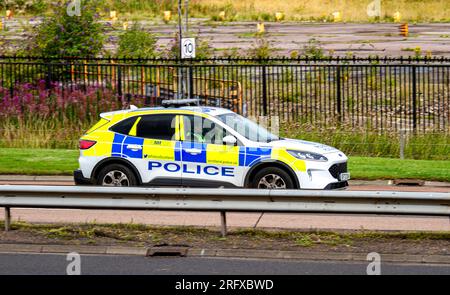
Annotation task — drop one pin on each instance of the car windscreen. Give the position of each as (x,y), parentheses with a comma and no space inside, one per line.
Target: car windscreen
(247,128)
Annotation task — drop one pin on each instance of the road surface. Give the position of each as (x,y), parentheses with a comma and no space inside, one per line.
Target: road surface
(119,265)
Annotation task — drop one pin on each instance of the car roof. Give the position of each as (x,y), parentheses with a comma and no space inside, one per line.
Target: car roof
(212,111)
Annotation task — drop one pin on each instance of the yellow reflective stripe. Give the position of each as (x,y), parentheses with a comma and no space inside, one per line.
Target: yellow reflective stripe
(283,156)
(179,129)
(155,149)
(134,128)
(222,154)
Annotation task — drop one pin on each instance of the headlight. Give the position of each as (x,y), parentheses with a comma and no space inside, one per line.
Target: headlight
(307,156)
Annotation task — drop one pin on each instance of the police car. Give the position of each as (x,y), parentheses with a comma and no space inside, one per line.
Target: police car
(199,146)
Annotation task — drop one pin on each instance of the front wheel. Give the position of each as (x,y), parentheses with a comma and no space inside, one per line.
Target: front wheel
(272,178)
(116,175)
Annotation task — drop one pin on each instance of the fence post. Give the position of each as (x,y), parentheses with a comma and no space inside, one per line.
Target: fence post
(190,87)
(7,218)
(338,93)
(402,143)
(414,97)
(48,77)
(264,90)
(223,223)
(119,81)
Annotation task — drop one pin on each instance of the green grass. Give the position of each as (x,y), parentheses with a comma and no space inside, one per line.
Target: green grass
(38,161)
(63,162)
(385,168)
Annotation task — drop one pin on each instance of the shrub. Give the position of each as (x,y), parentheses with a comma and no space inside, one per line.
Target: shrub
(64,35)
(135,42)
(313,49)
(261,49)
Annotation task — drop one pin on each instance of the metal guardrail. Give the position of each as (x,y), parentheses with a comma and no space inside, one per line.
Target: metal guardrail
(223,200)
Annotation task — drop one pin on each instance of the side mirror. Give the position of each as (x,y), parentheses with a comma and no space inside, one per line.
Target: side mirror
(229,140)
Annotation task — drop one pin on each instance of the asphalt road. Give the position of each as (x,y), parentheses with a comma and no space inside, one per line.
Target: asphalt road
(120,265)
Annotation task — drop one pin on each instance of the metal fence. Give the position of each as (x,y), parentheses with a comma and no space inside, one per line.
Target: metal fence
(370,94)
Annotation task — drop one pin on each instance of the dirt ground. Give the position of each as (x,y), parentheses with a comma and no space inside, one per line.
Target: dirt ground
(192,237)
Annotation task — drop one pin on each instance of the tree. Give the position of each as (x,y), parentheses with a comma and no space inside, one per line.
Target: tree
(66,34)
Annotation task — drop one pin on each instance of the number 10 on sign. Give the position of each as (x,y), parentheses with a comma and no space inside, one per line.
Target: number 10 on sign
(188,48)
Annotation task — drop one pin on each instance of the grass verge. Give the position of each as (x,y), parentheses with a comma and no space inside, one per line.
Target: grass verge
(145,235)
(63,162)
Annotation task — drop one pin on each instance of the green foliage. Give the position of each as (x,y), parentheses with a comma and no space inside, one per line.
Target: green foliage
(64,35)
(33,6)
(261,49)
(135,42)
(202,48)
(313,49)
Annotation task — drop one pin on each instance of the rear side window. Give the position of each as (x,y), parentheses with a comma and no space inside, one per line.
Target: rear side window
(123,127)
(157,127)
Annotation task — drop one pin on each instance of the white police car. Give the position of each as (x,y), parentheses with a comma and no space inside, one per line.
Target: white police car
(202,147)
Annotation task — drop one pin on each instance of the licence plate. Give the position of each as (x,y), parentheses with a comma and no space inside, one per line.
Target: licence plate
(344,176)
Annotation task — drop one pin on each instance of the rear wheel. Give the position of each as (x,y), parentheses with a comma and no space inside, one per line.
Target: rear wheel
(272,178)
(116,175)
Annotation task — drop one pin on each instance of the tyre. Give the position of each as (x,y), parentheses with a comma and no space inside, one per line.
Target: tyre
(116,175)
(272,178)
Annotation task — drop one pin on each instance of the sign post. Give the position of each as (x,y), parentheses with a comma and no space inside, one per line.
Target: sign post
(187,48)
(187,51)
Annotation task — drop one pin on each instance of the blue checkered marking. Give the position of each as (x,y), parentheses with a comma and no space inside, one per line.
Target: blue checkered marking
(187,157)
(137,154)
(117,145)
(254,155)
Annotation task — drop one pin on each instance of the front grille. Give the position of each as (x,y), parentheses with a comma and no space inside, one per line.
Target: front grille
(337,169)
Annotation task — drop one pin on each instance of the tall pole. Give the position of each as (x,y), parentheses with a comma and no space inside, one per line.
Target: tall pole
(186,31)
(180,36)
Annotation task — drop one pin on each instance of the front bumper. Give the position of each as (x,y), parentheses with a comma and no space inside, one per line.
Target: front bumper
(80,179)
(337,185)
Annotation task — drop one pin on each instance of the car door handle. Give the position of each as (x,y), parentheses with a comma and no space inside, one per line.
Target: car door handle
(134,147)
(193,151)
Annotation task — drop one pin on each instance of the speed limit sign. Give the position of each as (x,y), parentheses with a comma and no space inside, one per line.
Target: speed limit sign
(188,48)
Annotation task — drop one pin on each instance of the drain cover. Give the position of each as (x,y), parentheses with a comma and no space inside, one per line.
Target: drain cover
(167,251)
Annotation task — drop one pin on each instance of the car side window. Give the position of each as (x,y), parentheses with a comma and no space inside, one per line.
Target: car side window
(157,127)
(124,126)
(202,130)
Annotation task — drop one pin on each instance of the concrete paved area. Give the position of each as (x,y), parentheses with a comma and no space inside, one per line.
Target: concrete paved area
(339,39)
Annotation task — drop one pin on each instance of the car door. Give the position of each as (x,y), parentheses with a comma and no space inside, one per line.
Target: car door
(160,163)
(206,160)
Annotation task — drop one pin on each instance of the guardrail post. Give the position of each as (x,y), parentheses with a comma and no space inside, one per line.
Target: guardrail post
(7,218)
(223,223)
(402,143)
